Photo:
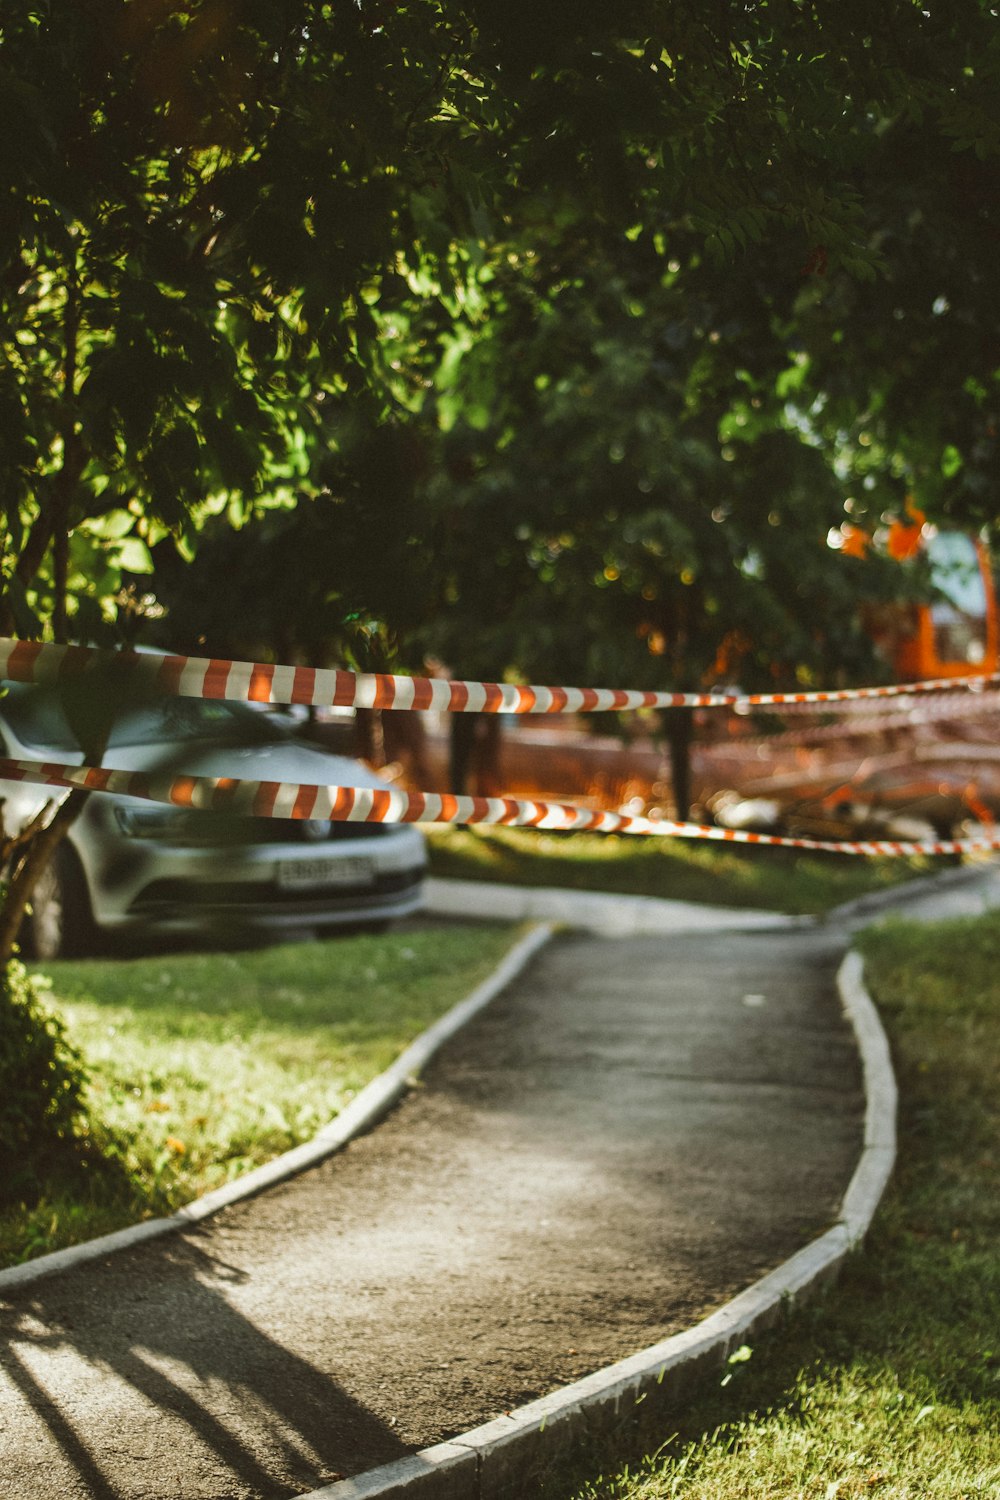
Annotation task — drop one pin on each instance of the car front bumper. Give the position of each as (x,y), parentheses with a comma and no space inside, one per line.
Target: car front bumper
(139,884)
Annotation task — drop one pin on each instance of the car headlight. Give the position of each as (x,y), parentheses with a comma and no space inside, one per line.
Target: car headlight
(149,822)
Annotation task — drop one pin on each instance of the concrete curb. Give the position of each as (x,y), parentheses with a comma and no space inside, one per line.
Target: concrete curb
(508,1458)
(897,896)
(374,1100)
(630,916)
(608,915)
(878,1152)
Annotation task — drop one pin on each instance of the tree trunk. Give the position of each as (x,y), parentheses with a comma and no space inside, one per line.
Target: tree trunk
(405,738)
(28,563)
(474,755)
(369,738)
(678,726)
(489,777)
(461,747)
(68,478)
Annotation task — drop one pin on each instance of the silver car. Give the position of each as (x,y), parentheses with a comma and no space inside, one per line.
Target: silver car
(128,866)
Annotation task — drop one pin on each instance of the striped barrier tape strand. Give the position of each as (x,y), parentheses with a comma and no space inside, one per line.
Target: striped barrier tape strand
(327,687)
(280,799)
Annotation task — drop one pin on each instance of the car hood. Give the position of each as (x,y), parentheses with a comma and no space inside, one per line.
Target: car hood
(280,761)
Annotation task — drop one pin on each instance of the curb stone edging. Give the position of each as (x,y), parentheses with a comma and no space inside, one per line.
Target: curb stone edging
(368,1106)
(603,912)
(878,1152)
(630,916)
(876,901)
(507,1458)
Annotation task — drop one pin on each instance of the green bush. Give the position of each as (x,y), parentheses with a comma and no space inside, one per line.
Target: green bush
(42,1078)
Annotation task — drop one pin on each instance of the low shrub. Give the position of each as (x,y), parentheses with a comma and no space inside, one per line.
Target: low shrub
(43,1119)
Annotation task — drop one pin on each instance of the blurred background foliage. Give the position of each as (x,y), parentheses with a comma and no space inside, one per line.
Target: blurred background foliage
(545,342)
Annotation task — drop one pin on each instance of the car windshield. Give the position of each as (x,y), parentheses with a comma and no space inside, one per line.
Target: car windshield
(36,716)
(194,719)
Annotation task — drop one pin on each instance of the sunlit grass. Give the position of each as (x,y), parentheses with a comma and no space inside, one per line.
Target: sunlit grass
(203,1065)
(889,1387)
(774,879)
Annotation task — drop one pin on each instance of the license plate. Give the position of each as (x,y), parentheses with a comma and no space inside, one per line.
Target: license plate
(312,874)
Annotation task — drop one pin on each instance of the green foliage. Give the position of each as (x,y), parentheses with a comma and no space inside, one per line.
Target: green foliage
(623,496)
(338,577)
(226,225)
(42,1079)
(195,227)
(902,381)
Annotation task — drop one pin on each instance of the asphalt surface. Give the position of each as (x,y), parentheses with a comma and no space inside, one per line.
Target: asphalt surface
(630,1134)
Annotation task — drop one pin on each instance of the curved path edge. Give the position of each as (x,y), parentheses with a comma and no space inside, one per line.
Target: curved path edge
(509,1457)
(363,1111)
(602,912)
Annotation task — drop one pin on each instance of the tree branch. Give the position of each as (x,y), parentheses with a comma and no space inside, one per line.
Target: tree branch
(37,853)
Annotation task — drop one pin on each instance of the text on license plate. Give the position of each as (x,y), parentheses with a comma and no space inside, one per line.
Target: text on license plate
(311,874)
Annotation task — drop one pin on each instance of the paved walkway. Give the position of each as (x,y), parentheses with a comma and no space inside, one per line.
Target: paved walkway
(633,1132)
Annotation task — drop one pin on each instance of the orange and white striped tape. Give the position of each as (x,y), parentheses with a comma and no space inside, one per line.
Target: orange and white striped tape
(260,682)
(281,799)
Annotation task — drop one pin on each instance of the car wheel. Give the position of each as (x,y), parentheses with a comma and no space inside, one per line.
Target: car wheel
(60,923)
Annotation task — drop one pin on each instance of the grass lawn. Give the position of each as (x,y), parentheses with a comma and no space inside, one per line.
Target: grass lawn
(890,1386)
(626,864)
(203,1065)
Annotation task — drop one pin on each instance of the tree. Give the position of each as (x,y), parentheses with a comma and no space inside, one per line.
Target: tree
(635,508)
(899,376)
(221,211)
(205,199)
(232,221)
(596,368)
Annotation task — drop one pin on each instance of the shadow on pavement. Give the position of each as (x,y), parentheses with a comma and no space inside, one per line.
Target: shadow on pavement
(205,1378)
